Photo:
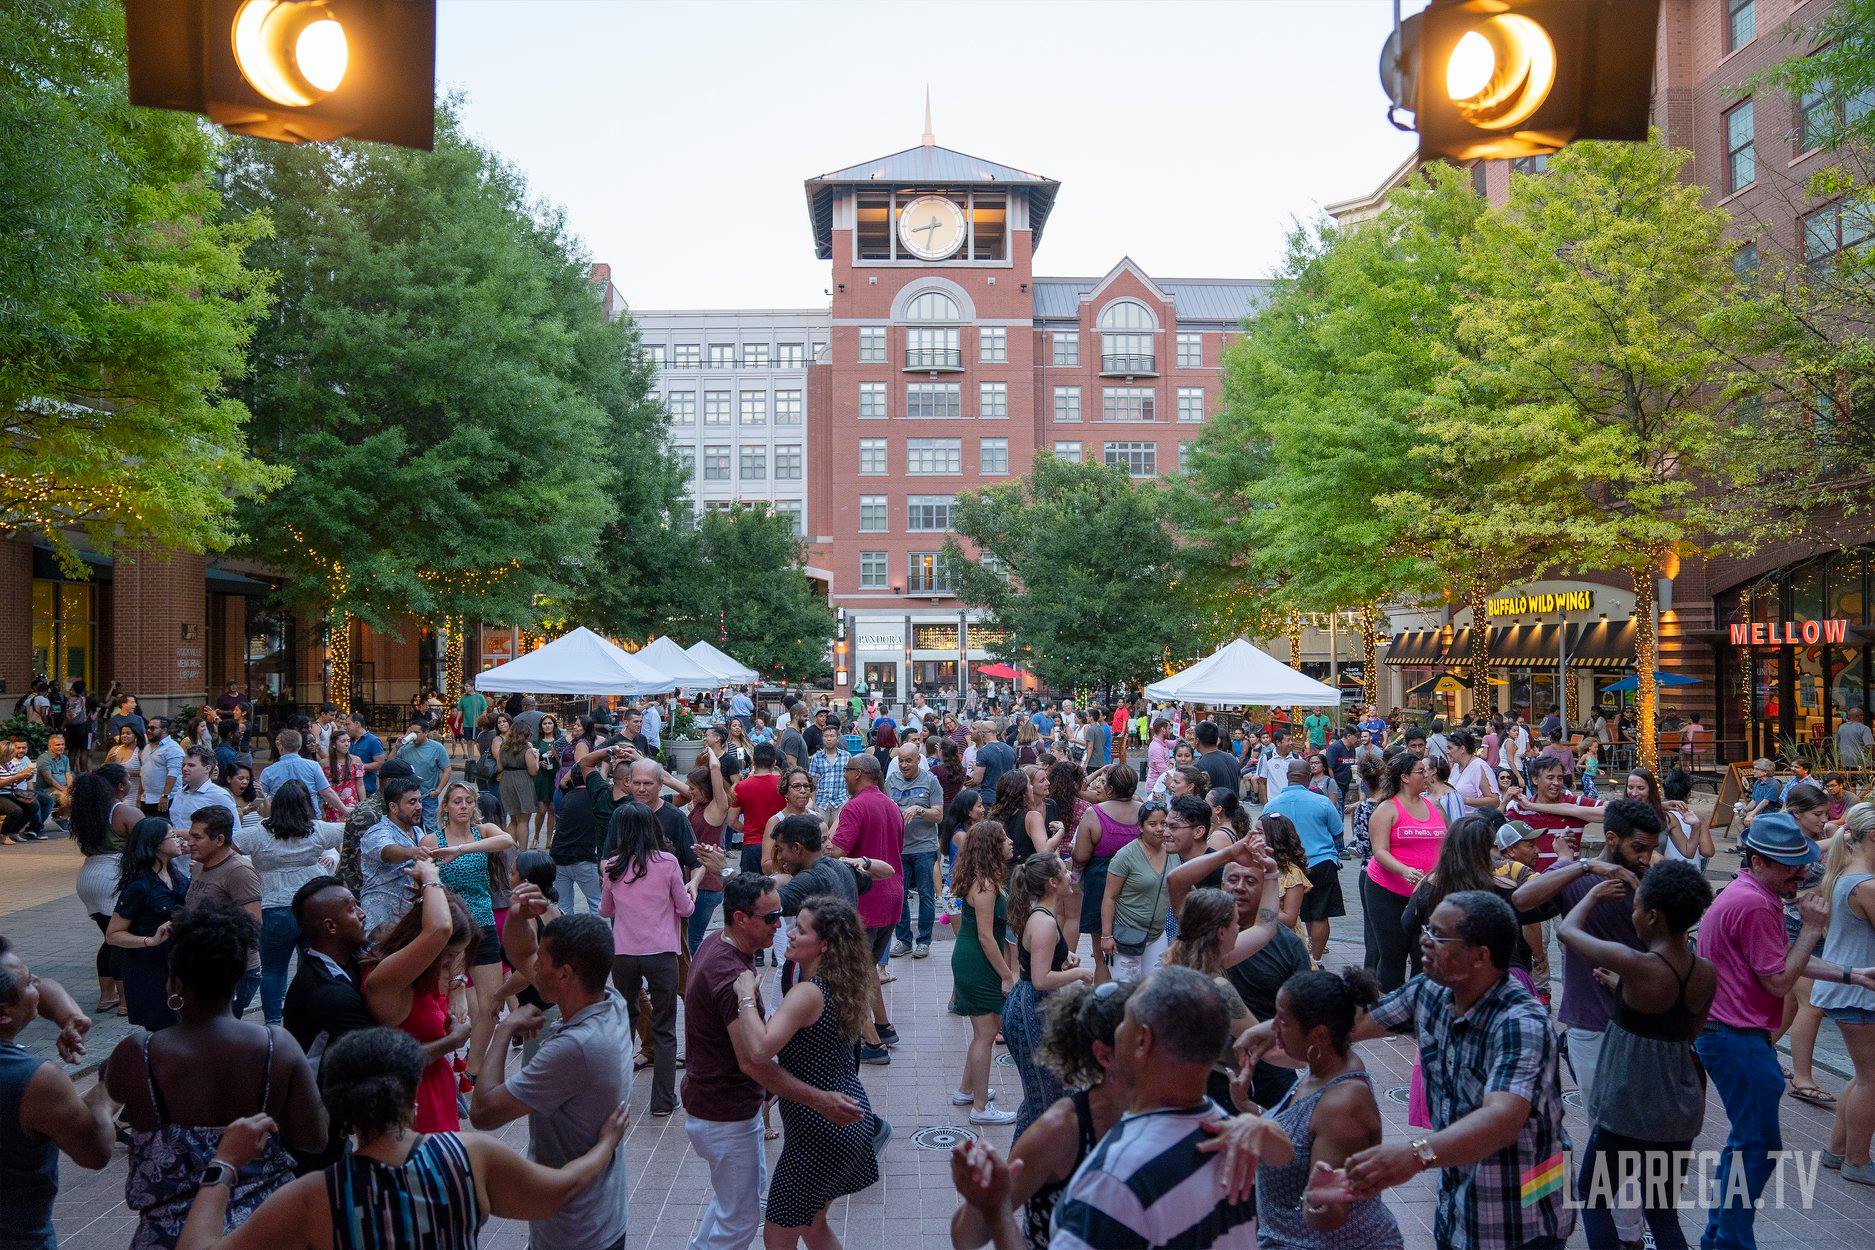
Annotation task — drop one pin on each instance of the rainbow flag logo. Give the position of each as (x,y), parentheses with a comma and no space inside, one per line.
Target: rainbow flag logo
(1544,1179)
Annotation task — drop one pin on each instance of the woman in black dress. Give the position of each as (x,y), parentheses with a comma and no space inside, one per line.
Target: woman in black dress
(148,890)
(811,1035)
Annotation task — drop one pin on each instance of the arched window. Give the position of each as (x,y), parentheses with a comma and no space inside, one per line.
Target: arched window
(1125,314)
(933,306)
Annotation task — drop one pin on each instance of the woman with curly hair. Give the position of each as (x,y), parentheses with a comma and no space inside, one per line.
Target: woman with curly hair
(1285,845)
(980,972)
(179,1087)
(811,1035)
(1020,816)
(399,1187)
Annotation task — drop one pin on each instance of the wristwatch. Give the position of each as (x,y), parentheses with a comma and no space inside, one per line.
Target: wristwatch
(218,1172)
(1425,1154)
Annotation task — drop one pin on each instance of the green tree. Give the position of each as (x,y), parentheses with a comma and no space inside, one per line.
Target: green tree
(1087,574)
(125,301)
(440,377)
(1601,295)
(748,593)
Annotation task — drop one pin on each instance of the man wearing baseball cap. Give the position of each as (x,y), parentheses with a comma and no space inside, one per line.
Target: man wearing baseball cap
(1743,934)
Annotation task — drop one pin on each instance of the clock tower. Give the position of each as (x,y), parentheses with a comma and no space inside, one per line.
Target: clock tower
(928,391)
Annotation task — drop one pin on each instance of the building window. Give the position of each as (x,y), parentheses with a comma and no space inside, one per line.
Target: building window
(872,514)
(682,405)
(1530,164)
(993,457)
(1741,156)
(792,355)
(1741,23)
(1068,452)
(872,456)
(933,347)
(686,458)
(933,306)
(1138,459)
(788,407)
(872,345)
(797,516)
(929,512)
(1126,403)
(926,457)
(993,345)
(716,463)
(872,570)
(722,355)
(654,355)
(686,356)
(872,401)
(718,505)
(992,399)
(755,407)
(1831,229)
(1745,262)
(1067,403)
(716,407)
(1823,115)
(1191,351)
(1126,338)
(755,356)
(1478,179)
(1191,403)
(788,463)
(1067,347)
(928,572)
(1183,448)
(934,400)
(754,467)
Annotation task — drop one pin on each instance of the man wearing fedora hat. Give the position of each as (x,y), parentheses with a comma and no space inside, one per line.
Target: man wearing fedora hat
(1743,934)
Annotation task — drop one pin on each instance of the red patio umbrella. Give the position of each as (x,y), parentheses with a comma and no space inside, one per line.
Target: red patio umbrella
(999,670)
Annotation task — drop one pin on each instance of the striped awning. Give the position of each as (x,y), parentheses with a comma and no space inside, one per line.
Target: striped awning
(1416,647)
(1604,644)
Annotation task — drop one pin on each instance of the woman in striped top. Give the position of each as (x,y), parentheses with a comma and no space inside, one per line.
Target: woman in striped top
(396,1189)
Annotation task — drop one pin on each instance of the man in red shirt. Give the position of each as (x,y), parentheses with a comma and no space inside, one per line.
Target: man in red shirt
(871,825)
(1550,809)
(759,797)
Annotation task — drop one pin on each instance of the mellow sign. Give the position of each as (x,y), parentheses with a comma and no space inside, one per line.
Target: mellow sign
(1787,633)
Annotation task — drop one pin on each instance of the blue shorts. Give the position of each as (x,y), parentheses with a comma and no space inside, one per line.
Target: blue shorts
(1851,1015)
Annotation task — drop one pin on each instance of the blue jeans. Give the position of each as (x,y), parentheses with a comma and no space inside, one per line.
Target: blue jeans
(429,811)
(1618,1158)
(699,923)
(1744,1069)
(47,801)
(586,876)
(919,868)
(278,936)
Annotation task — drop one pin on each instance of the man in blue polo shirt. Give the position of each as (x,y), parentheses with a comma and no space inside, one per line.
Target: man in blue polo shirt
(1318,824)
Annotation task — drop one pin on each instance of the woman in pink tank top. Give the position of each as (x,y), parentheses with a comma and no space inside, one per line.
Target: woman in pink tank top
(1407,829)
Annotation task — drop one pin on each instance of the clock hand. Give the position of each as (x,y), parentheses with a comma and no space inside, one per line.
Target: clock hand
(928,227)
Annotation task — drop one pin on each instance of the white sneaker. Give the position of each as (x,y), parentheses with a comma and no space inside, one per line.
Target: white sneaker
(961,1099)
(992,1115)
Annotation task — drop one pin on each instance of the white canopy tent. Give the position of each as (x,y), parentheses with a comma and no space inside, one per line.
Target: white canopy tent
(1240,674)
(672,661)
(580,662)
(737,674)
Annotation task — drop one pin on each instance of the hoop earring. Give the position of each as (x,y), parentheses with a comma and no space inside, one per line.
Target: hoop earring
(174,1002)
(1308,1052)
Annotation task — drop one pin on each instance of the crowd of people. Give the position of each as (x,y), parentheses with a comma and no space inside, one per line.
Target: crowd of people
(497,918)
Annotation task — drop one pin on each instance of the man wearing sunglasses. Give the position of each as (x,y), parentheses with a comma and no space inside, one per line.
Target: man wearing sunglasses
(723,1077)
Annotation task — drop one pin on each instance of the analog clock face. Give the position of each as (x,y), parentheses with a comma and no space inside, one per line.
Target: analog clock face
(931,228)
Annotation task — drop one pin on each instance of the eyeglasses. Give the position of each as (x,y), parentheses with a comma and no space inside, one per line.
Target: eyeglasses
(1154,805)
(1426,931)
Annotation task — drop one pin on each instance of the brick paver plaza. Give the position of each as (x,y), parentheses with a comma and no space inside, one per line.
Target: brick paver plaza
(912,1205)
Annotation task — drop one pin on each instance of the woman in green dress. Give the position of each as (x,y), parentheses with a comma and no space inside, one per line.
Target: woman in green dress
(980,969)
(552,747)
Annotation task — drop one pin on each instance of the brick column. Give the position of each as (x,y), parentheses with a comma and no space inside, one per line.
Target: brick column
(159,626)
(16,616)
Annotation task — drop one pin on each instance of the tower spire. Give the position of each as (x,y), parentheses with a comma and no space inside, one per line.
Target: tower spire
(928,141)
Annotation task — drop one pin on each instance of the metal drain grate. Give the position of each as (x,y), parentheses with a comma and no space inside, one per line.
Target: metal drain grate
(945,1137)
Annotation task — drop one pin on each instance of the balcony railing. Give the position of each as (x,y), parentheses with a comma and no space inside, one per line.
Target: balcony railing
(934,359)
(1128,366)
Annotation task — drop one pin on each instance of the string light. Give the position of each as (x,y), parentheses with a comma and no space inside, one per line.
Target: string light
(453,630)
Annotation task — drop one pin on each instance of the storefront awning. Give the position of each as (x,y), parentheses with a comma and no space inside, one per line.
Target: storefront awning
(1416,647)
(1525,646)
(229,582)
(1604,644)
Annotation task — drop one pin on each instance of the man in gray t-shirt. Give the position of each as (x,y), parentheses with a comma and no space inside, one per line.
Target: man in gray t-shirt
(579,1075)
(918,795)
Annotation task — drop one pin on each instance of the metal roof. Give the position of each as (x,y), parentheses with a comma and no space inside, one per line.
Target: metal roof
(925,165)
(1195,299)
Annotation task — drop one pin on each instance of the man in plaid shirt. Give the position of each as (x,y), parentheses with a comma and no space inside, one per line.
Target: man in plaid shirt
(827,766)
(1492,1086)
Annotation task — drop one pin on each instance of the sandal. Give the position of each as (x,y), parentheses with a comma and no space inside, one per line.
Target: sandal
(106,1006)
(642,1062)
(770,1134)
(1813,1095)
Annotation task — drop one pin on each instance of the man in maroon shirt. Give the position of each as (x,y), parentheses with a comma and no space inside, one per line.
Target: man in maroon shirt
(872,826)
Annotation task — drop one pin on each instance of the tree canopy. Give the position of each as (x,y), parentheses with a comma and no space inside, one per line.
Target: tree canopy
(128,299)
(747,592)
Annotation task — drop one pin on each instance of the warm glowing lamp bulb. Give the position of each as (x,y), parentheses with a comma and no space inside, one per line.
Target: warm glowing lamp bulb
(293,53)
(1469,70)
(322,54)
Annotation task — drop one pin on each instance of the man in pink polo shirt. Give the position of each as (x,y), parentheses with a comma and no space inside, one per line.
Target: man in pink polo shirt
(1743,934)
(871,825)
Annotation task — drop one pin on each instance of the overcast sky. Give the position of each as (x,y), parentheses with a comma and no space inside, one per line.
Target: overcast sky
(677,136)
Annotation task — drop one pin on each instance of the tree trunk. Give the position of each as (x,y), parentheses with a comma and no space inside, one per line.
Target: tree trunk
(1370,655)
(1295,656)
(1478,649)
(453,628)
(1646,659)
(339,658)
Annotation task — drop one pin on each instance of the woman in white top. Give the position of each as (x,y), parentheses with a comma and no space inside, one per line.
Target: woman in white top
(289,849)
(1471,775)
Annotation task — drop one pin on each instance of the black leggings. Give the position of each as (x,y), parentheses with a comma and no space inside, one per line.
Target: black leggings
(110,958)
(1387,943)
(17,815)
